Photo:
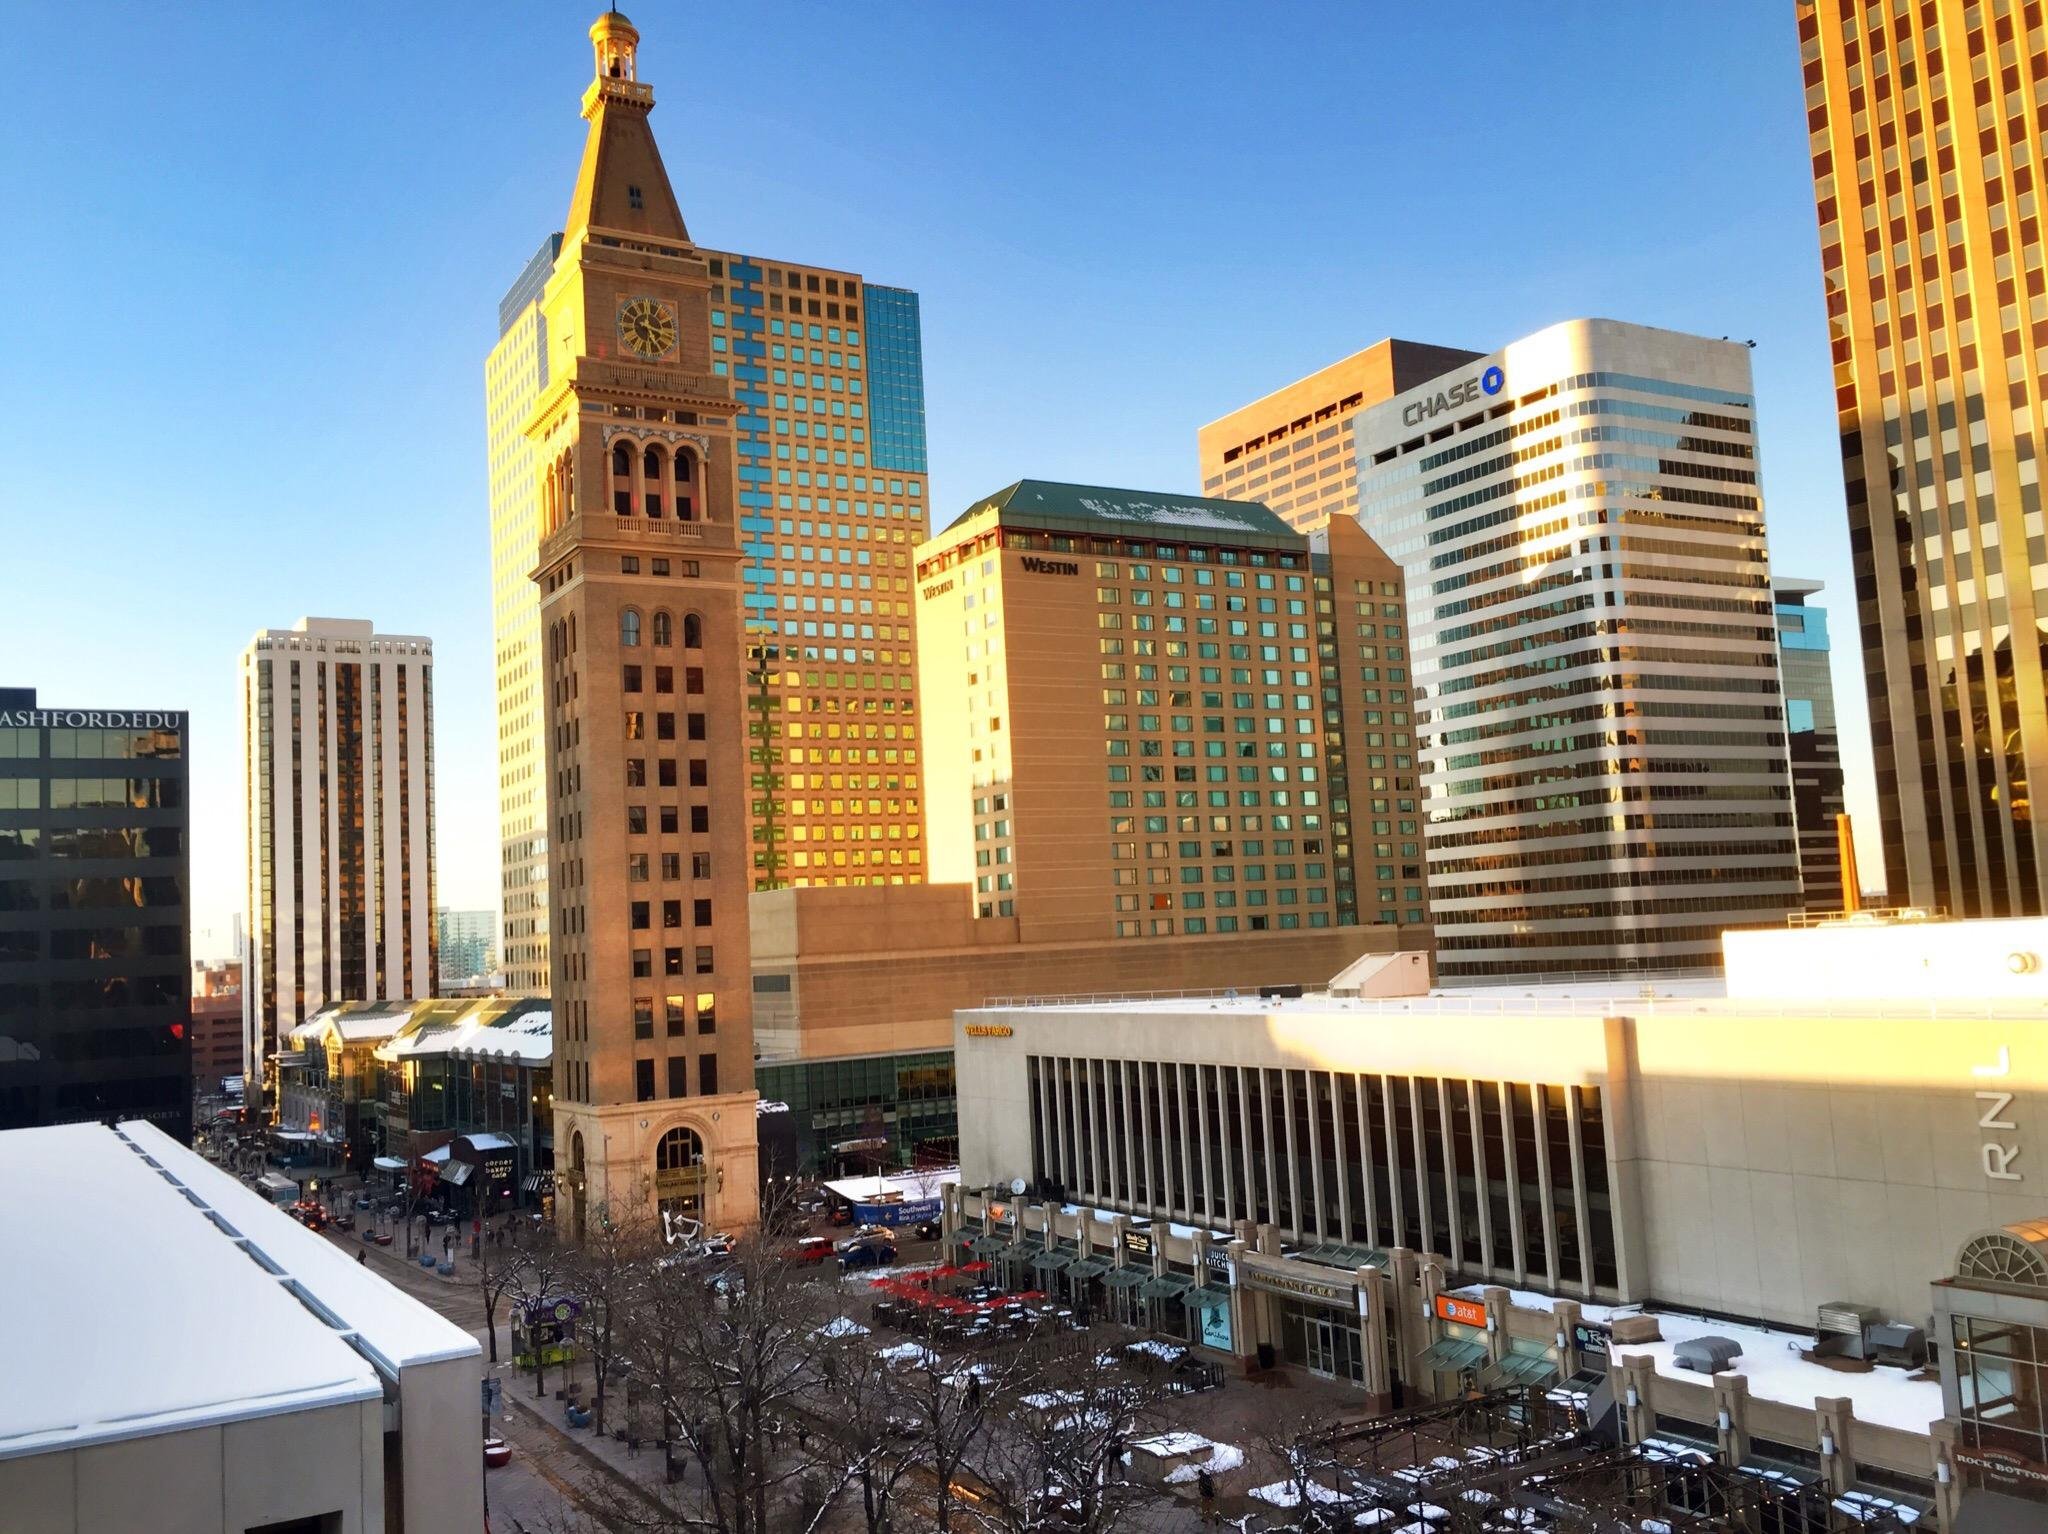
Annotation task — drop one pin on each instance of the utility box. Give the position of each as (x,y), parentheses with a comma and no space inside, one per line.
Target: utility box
(1706,1355)
(1840,1328)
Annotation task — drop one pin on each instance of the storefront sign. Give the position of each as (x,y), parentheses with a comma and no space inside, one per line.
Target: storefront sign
(1038,566)
(1465,392)
(1138,1242)
(1217,1260)
(989,1030)
(1287,1278)
(1591,1339)
(2002,1465)
(1464,1312)
(2000,1147)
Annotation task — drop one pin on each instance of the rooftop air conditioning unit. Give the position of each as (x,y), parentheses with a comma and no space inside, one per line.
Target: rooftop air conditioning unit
(1841,1327)
(1279,993)
(1706,1355)
(1895,1342)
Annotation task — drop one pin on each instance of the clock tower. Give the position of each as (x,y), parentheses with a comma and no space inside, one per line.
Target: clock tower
(639,578)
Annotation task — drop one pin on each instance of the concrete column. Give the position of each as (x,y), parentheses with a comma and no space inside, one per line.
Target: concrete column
(639,466)
(1241,1340)
(1373,1336)
(1948,1494)
(1407,1331)
(1835,1428)
(1495,1298)
(1637,1373)
(1731,1411)
(1568,1316)
(1269,1241)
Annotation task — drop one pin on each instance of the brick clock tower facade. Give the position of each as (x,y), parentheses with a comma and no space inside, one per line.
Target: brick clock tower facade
(639,580)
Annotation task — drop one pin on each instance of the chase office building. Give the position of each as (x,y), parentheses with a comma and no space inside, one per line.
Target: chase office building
(1600,722)
(1834,1150)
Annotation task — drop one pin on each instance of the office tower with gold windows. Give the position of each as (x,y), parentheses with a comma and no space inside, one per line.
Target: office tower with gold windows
(643,643)
(1925,125)
(828,371)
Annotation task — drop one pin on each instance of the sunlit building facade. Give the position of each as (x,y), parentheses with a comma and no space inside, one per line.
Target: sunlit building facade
(1814,742)
(1925,125)
(1602,732)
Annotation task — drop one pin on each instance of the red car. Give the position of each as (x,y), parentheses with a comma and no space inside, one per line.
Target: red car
(811,1249)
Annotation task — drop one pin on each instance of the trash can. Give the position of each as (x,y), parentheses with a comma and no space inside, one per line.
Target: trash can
(1265,1355)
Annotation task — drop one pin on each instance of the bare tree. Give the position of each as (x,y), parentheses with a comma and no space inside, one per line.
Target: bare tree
(498,1272)
(870,1437)
(607,1272)
(1300,1446)
(544,1261)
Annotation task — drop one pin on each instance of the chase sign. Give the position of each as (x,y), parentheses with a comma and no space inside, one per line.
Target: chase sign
(1466,391)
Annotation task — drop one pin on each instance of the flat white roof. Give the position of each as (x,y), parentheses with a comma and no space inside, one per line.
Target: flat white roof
(909,1186)
(160,1293)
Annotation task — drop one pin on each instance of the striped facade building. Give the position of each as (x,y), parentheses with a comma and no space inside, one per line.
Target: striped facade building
(1603,753)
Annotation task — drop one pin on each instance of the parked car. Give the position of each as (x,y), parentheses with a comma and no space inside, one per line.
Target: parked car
(308,1214)
(842,1214)
(870,1250)
(928,1230)
(811,1249)
(442,1217)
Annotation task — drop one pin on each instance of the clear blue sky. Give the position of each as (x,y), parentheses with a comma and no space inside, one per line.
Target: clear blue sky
(256,255)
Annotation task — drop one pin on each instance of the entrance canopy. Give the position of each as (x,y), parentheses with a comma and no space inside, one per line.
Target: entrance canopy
(1452,1354)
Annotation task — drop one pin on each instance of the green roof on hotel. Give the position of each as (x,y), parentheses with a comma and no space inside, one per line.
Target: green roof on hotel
(1104,511)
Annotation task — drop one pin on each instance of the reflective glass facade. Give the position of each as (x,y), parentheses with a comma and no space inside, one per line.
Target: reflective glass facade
(860,1112)
(95,936)
(1816,746)
(1925,126)
(896,379)
(1602,735)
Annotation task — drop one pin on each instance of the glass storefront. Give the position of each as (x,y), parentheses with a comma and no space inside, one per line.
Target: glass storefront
(1323,1340)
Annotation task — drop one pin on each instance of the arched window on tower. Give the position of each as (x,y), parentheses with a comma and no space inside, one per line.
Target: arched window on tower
(686,495)
(664,632)
(651,475)
(622,479)
(693,632)
(629,628)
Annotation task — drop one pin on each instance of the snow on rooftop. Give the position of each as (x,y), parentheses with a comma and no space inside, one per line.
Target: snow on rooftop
(133,1314)
(1174,513)
(909,1186)
(1770,1360)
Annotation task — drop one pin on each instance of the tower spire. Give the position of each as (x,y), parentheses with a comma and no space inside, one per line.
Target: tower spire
(622,184)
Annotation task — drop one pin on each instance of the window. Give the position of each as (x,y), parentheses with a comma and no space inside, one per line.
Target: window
(693,632)
(674,1015)
(707,1012)
(643,1081)
(700,817)
(678,1086)
(633,199)
(702,915)
(629,628)
(664,630)
(643,963)
(707,1075)
(705,964)
(640,914)
(643,1017)
(700,865)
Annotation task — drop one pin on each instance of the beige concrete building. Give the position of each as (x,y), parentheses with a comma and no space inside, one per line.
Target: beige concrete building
(644,648)
(332,1402)
(1293,450)
(1924,123)
(1845,1125)
(1135,744)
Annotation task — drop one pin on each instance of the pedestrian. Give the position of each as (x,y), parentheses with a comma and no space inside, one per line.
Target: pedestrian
(803,1435)
(362,1259)
(1206,1484)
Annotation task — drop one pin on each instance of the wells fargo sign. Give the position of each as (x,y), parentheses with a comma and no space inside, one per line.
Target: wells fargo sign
(989,1030)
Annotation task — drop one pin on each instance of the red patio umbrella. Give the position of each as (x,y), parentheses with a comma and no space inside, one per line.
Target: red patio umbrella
(976,1266)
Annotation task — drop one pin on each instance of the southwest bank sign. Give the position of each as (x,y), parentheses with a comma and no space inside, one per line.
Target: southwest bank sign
(87,719)
(1465,392)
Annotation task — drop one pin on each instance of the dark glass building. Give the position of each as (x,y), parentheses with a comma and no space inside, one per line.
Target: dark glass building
(1816,746)
(95,935)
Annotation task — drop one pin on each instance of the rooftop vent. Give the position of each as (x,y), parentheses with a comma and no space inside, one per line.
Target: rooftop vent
(1706,1355)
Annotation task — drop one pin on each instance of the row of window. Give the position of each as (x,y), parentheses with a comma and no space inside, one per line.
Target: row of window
(25,741)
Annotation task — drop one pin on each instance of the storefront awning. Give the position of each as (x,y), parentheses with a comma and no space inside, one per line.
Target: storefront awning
(538,1182)
(1051,1262)
(1163,1284)
(1127,1278)
(389,1163)
(457,1172)
(1087,1267)
(1527,1369)
(964,1236)
(1206,1297)
(988,1246)
(1451,1355)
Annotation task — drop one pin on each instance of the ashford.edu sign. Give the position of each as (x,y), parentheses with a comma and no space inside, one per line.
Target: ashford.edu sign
(1465,392)
(88,719)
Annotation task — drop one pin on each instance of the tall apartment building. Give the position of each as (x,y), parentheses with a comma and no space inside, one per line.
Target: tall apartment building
(95,930)
(832,497)
(338,751)
(469,944)
(644,644)
(1816,745)
(1292,450)
(1602,730)
(1134,738)
(1925,123)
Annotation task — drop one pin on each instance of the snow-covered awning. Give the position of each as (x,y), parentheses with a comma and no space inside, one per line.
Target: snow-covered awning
(389,1163)
(489,1143)
(436,1156)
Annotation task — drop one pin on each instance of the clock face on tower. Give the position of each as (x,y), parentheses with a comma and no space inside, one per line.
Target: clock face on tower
(647,327)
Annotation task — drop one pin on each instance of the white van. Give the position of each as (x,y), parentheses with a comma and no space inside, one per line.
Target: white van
(278,1188)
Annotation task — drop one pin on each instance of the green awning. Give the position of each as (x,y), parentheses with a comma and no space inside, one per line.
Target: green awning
(1165,1284)
(1051,1262)
(987,1246)
(965,1236)
(1087,1267)
(1127,1278)
(1451,1355)
(1207,1297)
(1528,1368)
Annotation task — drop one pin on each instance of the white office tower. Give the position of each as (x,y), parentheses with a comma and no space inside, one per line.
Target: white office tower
(1601,729)
(338,742)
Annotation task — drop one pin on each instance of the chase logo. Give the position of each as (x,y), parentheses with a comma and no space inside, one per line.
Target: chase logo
(1492,379)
